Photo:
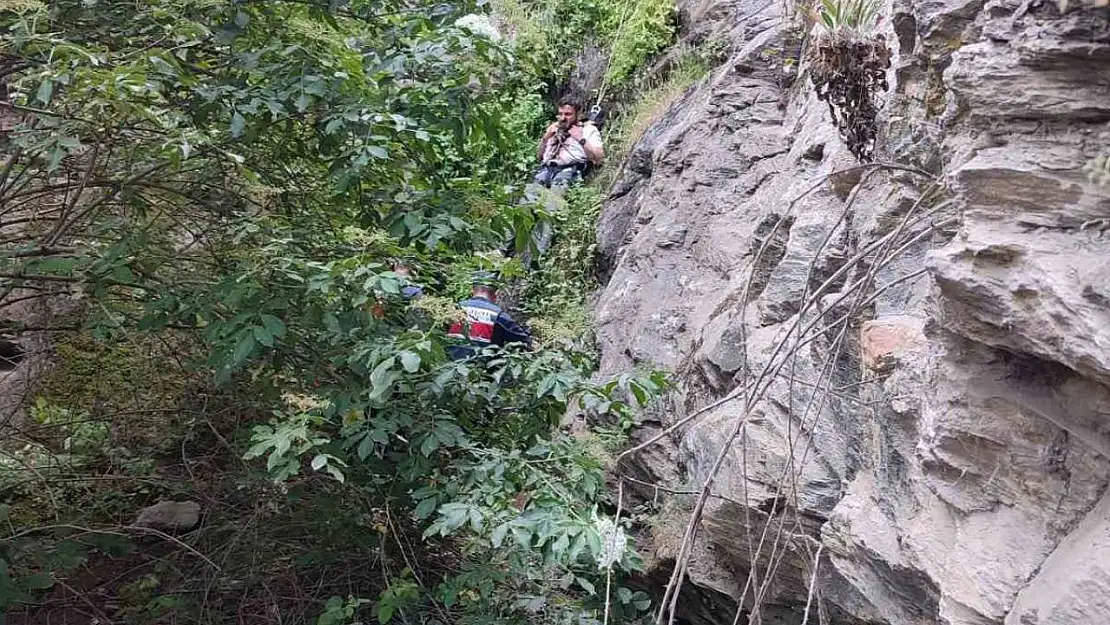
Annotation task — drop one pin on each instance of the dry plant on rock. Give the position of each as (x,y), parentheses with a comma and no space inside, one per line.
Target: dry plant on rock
(848,66)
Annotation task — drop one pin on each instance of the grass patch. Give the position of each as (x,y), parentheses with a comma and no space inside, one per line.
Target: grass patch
(555,298)
(552,34)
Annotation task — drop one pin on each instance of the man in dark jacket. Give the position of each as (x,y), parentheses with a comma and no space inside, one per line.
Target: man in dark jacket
(485,323)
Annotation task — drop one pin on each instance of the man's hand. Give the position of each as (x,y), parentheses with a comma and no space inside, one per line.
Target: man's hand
(551,130)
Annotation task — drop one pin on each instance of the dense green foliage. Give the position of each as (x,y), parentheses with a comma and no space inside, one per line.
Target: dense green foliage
(551,33)
(218,190)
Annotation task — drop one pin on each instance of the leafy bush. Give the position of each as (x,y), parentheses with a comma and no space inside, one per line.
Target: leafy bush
(549,35)
(234,181)
(649,28)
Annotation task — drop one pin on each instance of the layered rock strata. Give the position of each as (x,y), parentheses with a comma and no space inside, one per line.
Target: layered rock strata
(919,349)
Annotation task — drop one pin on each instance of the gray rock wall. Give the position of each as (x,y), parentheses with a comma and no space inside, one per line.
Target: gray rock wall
(920,354)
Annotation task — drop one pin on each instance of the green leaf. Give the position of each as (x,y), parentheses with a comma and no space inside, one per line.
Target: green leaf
(498,535)
(302,102)
(385,612)
(454,515)
(243,348)
(365,447)
(55,266)
(46,90)
(38,581)
(263,335)
(586,585)
(380,375)
(319,462)
(429,445)
(640,394)
(274,325)
(560,545)
(547,384)
(122,273)
(425,508)
(237,124)
(410,361)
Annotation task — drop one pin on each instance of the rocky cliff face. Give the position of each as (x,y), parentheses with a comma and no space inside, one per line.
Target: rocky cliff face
(914,359)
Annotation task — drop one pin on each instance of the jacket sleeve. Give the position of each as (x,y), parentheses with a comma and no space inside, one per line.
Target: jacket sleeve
(512,332)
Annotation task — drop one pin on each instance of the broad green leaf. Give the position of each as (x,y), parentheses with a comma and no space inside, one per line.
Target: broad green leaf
(243,348)
(122,273)
(38,581)
(410,361)
(274,325)
(302,102)
(425,508)
(237,124)
(263,336)
(498,535)
(429,445)
(365,447)
(385,612)
(55,266)
(46,90)
(560,545)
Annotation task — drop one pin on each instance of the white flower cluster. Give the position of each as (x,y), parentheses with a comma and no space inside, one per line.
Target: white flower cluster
(479,25)
(613,542)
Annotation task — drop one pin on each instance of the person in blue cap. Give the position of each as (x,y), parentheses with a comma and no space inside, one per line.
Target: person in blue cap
(485,322)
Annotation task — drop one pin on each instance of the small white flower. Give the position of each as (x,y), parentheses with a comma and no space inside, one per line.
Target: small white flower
(613,542)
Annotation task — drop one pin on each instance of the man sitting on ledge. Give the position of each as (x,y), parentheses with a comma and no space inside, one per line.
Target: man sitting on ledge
(567,147)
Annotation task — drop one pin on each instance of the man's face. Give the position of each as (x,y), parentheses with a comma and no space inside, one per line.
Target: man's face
(567,116)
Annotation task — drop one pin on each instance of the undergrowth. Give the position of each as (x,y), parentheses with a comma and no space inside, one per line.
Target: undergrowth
(252,171)
(556,297)
(243,344)
(553,32)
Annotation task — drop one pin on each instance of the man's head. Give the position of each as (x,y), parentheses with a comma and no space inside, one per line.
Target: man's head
(402,269)
(484,291)
(484,285)
(568,112)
